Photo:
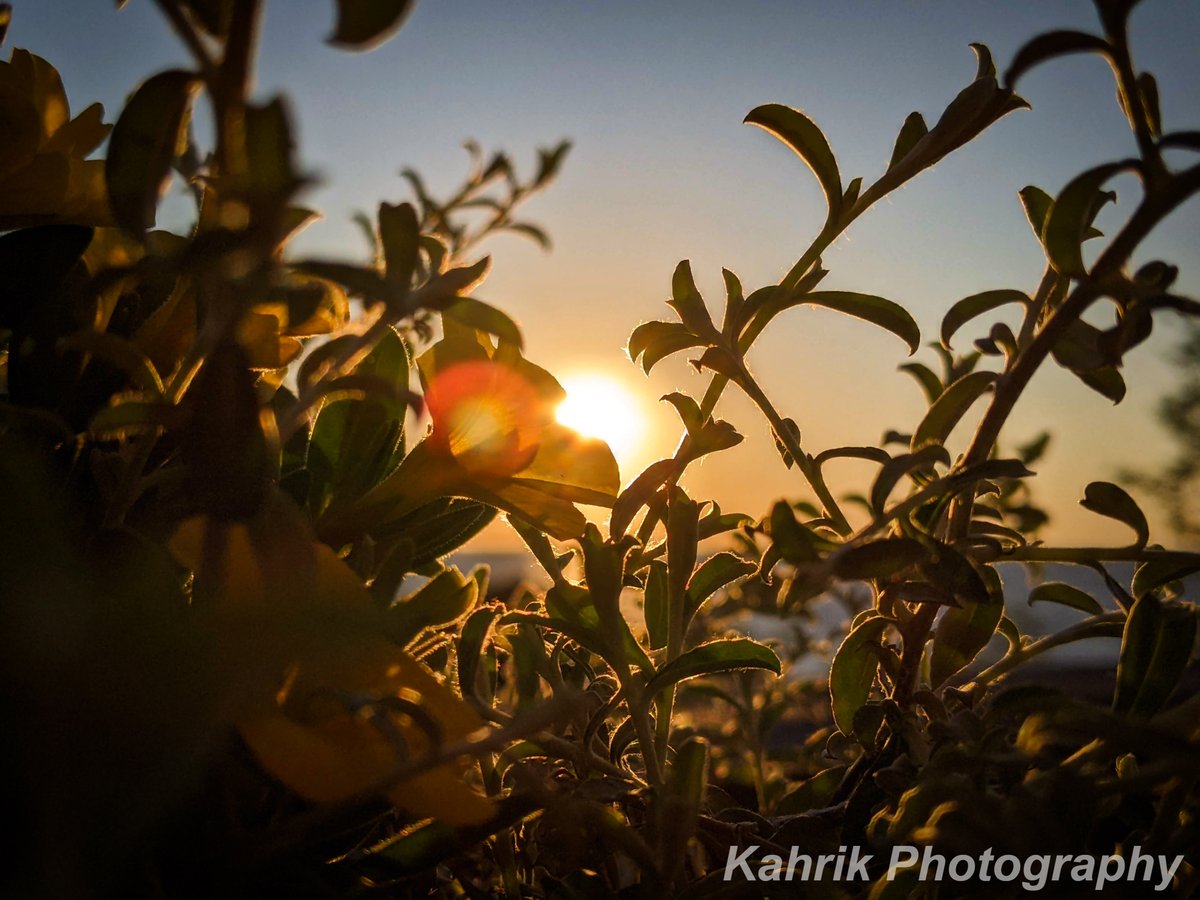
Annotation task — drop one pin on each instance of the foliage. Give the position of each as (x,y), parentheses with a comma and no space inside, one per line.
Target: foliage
(221,679)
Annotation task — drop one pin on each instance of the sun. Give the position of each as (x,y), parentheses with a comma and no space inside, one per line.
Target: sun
(600,406)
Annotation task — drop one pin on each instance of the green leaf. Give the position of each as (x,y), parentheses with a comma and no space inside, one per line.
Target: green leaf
(1037,204)
(930,384)
(986,68)
(361,24)
(1151,576)
(887,315)
(976,305)
(1107,499)
(874,454)
(1072,214)
(1051,45)
(638,494)
(657,605)
(911,132)
(400,237)
(853,670)
(714,573)
(270,170)
(1155,648)
(963,631)
(1065,595)
(485,317)
(895,469)
(654,341)
(144,143)
(950,407)
(445,598)
(878,559)
(474,635)
(801,134)
(712,658)
(686,301)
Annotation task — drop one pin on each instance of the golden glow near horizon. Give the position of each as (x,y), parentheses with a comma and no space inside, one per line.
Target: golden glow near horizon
(600,406)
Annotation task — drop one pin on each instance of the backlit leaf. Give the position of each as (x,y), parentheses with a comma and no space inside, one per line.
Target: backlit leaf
(853,670)
(1065,595)
(801,134)
(714,657)
(1051,45)
(144,143)
(950,407)
(878,559)
(1107,499)
(1155,649)
(962,632)
(976,305)
(1071,216)
(911,132)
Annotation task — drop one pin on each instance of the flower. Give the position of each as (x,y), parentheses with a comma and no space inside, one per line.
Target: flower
(327,704)
(493,439)
(44,175)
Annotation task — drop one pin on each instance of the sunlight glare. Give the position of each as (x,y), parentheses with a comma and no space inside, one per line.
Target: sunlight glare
(600,406)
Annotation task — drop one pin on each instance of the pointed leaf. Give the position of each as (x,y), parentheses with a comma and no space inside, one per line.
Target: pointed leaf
(962,632)
(144,143)
(930,384)
(950,407)
(485,317)
(712,658)
(801,134)
(911,132)
(1071,216)
(686,301)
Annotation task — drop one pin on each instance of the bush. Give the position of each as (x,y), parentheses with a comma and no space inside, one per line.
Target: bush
(219,680)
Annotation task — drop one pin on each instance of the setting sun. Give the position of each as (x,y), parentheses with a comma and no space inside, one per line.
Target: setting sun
(600,406)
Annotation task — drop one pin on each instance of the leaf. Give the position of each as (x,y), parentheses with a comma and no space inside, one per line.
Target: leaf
(976,305)
(1051,45)
(475,633)
(362,24)
(638,494)
(986,68)
(902,465)
(911,132)
(887,315)
(714,573)
(445,598)
(119,352)
(686,301)
(144,143)
(1151,576)
(485,317)
(874,454)
(950,407)
(962,632)
(801,134)
(657,605)
(654,341)
(878,559)
(712,658)
(1107,499)
(1065,595)
(400,237)
(1037,204)
(1148,88)
(533,232)
(1071,216)
(853,671)
(1155,648)
(930,384)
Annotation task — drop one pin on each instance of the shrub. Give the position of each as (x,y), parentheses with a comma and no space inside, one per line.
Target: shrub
(220,682)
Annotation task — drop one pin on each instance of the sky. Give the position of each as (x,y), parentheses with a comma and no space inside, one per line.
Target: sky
(653,94)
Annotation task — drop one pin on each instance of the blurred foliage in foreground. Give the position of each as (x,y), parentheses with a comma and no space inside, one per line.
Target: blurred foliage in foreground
(219,680)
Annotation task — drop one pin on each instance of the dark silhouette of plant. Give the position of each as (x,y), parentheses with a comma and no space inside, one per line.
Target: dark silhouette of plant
(219,681)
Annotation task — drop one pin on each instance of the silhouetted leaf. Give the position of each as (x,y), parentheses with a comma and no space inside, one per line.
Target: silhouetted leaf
(145,141)
(1155,649)
(1150,576)
(884,313)
(895,469)
(484,317)
(950,407)
(878,559)
(657,599)
(712,658)
(361,24)
(1065,595)
(638,494)
(714,573)
(1050,45)
(1071,216)
(400,238)
(911,132)
(653,341)
(443,599)
(1109,500)
(686,301)
(930,384)
(800,133)
(976,305)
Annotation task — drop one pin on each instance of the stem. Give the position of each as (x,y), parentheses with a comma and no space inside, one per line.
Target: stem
(187,33)
(1090,627)
(803,462)
(1088,555)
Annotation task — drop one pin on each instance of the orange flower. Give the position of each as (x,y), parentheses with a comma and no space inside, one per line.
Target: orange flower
(44,174)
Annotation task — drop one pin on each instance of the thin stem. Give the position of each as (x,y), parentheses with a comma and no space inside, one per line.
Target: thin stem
(1088,555)
(187,33)
(1091,627)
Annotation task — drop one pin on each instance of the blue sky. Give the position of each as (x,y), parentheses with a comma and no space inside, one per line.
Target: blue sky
(653,94)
